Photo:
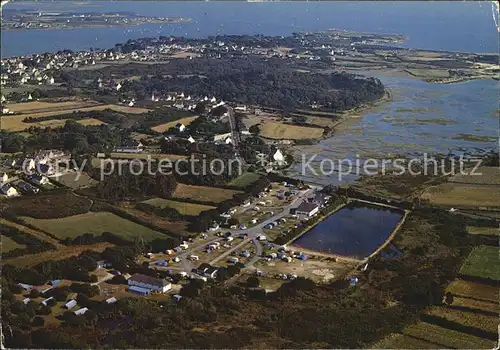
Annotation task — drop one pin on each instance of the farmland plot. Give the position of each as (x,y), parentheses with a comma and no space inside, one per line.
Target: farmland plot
(482,262)
(446,337)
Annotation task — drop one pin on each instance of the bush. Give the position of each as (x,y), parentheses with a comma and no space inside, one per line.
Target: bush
(119,279)
(44,310)
(38,321)
(253,282)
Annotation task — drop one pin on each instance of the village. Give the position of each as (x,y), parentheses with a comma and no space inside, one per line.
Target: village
(246,245)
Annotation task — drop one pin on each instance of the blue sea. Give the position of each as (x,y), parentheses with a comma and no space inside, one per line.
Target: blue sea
(442,25)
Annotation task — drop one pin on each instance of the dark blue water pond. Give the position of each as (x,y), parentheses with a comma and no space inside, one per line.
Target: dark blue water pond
(356,230)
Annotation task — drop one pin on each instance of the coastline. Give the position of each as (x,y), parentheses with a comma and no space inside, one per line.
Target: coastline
(92,26)
(357,112)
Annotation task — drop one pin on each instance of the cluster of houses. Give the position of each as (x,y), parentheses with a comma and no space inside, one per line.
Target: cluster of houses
(43,68)
(26,175)
(40,69)
(50,301)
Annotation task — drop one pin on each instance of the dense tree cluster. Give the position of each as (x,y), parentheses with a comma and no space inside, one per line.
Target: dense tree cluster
(50,205)
(264,83)
(76,138)
(126,185)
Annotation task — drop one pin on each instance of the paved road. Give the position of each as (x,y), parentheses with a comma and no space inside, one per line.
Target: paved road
(235,135)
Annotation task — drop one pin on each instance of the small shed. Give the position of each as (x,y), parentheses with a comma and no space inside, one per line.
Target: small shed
(177,298)
(26,301)
(81,311)
(70,304)
(43,291)
(55,283)
(111,300)
(45,302)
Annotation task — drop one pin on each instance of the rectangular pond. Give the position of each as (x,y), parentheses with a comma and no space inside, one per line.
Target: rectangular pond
(356,230)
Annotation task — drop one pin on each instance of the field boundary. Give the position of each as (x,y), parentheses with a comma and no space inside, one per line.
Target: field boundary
(37,233)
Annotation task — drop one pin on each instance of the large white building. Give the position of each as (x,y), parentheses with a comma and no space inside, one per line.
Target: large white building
(306,209)
(148,282)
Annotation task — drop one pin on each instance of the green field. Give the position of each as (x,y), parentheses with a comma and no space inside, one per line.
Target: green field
(181,207)
(9,244)
(446,337)
(482,262)
(94,223)
(490,231)
(244,180)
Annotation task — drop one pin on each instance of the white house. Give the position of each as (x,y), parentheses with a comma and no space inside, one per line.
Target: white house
(3,178)
(180,127)
(278,157)
(9,191)
(28,165)
(148,282)
(223,138)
